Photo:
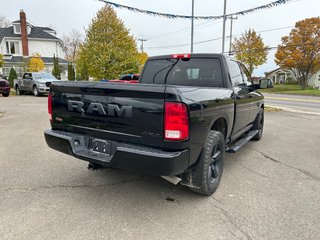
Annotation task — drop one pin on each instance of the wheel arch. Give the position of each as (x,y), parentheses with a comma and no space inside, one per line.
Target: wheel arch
(220,124)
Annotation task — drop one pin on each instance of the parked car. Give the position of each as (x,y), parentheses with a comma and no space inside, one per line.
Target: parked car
(4,87)
(35,82)
(129,77)
(176,123)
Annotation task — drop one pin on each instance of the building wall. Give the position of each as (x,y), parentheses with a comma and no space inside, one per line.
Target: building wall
(45,48)
(314,81)
(281,76)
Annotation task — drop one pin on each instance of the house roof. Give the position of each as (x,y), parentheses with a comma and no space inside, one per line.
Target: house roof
(20,59)
(276,70)
(36,32)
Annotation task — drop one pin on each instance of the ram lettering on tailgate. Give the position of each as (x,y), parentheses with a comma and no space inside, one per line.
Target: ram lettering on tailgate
(111,110)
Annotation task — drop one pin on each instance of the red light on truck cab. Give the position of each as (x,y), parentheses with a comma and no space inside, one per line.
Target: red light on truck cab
(181,56)
(176,121)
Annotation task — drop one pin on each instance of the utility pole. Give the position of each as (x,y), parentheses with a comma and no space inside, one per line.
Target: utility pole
(142,41)
(192,26)
(224,25)
(231,25)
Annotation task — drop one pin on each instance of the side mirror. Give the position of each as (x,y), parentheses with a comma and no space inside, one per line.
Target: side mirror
(265,83)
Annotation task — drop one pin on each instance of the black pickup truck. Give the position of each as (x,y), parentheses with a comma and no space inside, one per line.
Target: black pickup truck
(177,122)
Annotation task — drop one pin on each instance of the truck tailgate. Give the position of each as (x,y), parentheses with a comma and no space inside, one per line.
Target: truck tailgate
(118,112)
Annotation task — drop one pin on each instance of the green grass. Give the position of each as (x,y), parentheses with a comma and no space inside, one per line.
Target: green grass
(292,89)
(272,109)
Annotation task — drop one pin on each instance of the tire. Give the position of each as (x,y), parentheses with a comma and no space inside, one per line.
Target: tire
(5,94)
(36,91)
(211,163)
(258,125)
(18,91)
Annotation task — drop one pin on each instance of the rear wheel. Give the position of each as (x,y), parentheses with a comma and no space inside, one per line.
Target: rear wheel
(35,91)
(258,125)
(211,163)
(5,94)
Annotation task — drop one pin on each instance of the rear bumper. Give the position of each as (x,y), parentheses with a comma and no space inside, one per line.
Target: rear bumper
(124,156)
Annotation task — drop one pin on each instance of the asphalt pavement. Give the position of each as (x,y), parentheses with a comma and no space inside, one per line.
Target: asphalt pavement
(295,103)
(269,190)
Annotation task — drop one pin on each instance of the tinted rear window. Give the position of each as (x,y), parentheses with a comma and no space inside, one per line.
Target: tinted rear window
(193,72)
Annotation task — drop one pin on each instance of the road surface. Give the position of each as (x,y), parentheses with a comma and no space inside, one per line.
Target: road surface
(303,104)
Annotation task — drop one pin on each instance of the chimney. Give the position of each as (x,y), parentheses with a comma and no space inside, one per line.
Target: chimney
(24,34)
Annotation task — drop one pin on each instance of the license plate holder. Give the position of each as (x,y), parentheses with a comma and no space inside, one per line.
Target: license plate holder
(101,146)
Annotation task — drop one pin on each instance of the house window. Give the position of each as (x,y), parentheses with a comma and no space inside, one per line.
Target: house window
(28,29)
(17,29)
(12,47)
(319,78)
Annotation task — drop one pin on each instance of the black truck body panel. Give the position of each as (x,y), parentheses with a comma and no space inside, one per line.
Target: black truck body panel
(130,118)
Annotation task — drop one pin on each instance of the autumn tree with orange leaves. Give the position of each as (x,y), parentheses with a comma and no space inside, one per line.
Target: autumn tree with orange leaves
(35,63)
(250,50)
(300,51)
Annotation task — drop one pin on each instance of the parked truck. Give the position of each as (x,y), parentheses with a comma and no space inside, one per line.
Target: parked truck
(35,82)
(177,122)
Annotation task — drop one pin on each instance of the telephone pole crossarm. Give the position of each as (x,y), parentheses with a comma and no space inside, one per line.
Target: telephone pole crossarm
(142,41)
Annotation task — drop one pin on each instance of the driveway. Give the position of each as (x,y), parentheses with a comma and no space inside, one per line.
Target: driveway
(270,189)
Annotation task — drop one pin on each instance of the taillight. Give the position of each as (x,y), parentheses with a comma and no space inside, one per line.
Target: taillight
(176,122)
(50,106)
(181,56)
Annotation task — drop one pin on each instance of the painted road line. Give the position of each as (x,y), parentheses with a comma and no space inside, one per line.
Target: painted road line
(293,99)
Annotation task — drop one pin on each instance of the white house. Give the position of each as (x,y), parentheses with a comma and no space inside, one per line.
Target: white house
(21,40)
(280,75)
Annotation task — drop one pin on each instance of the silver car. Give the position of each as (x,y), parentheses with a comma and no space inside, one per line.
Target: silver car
(36,82)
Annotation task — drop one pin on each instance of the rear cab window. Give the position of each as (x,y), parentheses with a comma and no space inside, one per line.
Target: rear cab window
(201,72)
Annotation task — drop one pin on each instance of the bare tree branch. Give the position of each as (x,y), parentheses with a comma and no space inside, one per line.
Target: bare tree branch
(71,44)
(4,22)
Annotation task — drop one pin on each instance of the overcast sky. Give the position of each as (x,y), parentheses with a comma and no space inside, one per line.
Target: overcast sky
(65,15)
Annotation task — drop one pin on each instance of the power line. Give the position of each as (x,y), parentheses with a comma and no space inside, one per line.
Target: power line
(199,25)
(214,39)
(275,48)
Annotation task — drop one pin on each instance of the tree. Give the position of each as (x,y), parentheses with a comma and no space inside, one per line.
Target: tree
(56,68)
(82,68)
(1,60)
(250,50)
(71,45)
(71,73)
(300,51)
(12,75)
(108,49)
(142,58)
(4,22)
(35,63)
